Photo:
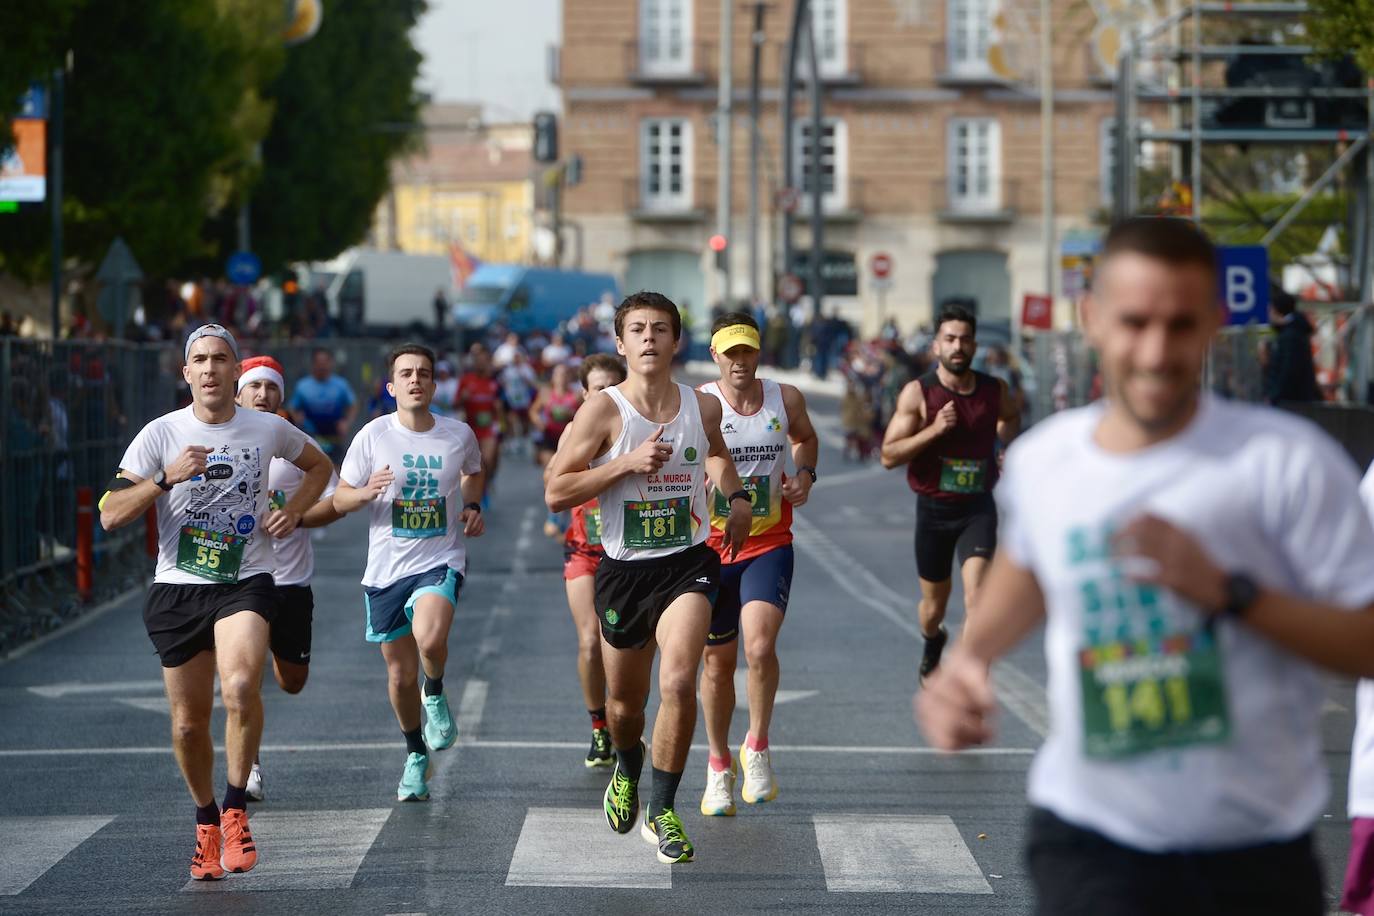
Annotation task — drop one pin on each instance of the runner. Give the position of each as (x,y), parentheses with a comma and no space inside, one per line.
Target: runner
(445,389)
(945,430)
(261,383)
(760,419)
(553,410)
(518,385)
(1357,896)
(212,598)
(1194,560)
(323,404)
(642,447)
(582,553)
(412,470)
(479,396)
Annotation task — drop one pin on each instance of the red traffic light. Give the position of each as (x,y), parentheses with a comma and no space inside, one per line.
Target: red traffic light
(717,243)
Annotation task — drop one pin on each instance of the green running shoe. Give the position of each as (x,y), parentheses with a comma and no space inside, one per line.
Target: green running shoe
(414,779)
(621,802)
(601,753)
(440,732)
(666,832)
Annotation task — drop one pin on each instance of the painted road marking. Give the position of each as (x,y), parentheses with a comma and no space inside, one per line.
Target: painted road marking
(596,857)
(29,846)
(890,854)
(304,850)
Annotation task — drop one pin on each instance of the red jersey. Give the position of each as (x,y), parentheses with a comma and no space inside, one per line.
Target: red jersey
(960,465)
(558,412)
(478,396)
(584,531)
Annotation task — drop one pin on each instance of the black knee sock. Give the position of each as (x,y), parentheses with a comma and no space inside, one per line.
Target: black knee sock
(234,797)
(663,792)
(208,815)
(415,742)
(598,717)
(631,760)
(433,686)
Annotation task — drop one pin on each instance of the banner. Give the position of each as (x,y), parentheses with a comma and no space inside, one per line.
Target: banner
(23,166)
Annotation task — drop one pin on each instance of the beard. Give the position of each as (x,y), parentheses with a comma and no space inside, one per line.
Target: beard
(947,363)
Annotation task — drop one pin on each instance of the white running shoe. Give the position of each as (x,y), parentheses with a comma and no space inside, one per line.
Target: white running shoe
(759,785)
(255,791)
(719,798)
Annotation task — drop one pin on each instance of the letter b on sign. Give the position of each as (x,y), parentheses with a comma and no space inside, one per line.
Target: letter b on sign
(1243,274)
(1240,289)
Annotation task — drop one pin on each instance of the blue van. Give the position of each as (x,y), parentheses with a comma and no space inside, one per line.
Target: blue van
(525,299)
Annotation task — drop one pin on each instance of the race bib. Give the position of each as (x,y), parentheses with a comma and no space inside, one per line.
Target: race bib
(963,475)
(276,500)
(482,418)
(592,517)
(658,523)
(760,497)
(419,518)
(209,554)
(1146,694)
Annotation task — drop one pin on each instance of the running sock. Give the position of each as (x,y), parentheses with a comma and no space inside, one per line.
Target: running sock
(234,797)
(434,685)
(415,742)
(755,744)
(598,717)
(208,814)
(631,761)
(663,792)
(719,764)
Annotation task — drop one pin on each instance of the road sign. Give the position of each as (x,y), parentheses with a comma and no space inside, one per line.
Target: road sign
(117,272)
(1037,311)
(880,264)
(243,268)
(1243,277)
(790,288)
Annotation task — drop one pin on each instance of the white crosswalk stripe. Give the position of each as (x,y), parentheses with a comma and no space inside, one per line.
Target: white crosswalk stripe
(29,846)
(573,847)
(920,854)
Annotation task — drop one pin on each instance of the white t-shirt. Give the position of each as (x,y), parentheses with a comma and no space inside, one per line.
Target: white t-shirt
(1361,802)
(414,526)
(1268,494)
(213,523)
(295,554)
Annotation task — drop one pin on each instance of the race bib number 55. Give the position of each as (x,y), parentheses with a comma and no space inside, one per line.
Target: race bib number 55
(211,555)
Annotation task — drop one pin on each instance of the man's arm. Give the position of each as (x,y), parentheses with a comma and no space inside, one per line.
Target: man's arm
(571,479)
(806,445)
(471,488)
(122,504)
(1008,415)
(907,433)
(720,467)
(318,471)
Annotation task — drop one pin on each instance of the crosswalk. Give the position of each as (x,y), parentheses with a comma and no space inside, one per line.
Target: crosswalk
(556,847)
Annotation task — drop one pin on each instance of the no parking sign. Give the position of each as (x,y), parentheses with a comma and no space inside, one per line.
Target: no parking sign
(1243,278)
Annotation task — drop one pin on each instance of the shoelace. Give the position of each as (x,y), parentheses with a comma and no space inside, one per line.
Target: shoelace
(620,794)
(670,828)
(756,765)
(204,846)
(601,740)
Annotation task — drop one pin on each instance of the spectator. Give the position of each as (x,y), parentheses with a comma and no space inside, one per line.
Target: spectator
(445,389)
(324,406)
(505,354)
(1290,375)
(556,353)
(382,402)
(440,312)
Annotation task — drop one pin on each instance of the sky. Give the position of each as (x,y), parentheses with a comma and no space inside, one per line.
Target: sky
(490,52)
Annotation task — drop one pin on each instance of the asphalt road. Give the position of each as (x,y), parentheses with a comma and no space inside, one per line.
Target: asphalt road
(94,817)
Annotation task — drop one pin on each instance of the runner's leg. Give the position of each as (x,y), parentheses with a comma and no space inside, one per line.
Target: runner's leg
(627,691)
(591,672)
(760,623)
(402,682)
(934,600)
(681,635)
(240,650)
(290,676)
(433,618)
(190,696)
(972,573)
(718,695)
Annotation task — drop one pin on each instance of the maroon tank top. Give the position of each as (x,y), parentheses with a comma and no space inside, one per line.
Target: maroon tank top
(961,464)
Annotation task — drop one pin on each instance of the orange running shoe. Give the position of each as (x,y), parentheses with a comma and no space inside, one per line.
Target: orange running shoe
(205,864)
(240,854)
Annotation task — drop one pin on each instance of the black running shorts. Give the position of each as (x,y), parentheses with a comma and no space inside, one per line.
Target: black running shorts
(631,595)
(181,618)
(291,628)
(946,528)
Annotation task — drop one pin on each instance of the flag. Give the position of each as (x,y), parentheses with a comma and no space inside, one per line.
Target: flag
(462,264)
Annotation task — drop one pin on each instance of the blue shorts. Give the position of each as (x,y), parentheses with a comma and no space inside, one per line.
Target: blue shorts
(766,577)
(391,607)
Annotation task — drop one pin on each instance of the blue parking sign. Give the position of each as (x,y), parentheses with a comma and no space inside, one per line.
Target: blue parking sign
(1243,278)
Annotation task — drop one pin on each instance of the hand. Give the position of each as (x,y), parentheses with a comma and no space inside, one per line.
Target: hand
(955,707)
(649,455)
(378,483)
(474,526)
(737,526)
(797,490)
(946,419)
(190,463)
(1160,553)
(281,522)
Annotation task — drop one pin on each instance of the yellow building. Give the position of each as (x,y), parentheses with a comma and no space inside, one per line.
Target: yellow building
(471,185)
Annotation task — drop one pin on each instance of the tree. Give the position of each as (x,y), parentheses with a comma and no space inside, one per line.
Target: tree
(35,42)
(1340,27)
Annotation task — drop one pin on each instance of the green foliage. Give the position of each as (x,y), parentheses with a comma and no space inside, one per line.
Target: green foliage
(34,34)
(1232,223)
(1340,27)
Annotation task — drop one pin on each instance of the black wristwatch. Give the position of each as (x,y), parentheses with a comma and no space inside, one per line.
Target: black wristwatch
(476,507)
(739,494)
(808,469)
(1241,594)
(160,478)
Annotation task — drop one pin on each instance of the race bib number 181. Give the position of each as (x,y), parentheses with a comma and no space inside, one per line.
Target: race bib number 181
(658,523)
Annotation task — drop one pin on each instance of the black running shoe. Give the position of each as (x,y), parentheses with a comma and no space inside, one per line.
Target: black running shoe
(935,647)
(601,753)
(665,831)
(621,801)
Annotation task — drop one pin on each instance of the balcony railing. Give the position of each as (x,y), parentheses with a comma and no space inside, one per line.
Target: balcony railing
(692,206)
(1000,206)
(647,70)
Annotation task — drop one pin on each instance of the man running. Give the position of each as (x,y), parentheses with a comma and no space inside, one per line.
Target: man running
(1195,561)
(212,600)
(642,447)
(420,475)
(323,404)
(582,553)
(261,384)
(479,397)
(760,419)
(945,430)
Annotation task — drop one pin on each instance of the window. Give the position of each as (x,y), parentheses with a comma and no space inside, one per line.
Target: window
(970,33)
(834,187)
(665,37)
(975,165)
(665,165)
(829,28)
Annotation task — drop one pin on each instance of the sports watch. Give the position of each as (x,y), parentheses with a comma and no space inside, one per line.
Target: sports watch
(160,478)
(475,507)
(808,469)
(1241,594)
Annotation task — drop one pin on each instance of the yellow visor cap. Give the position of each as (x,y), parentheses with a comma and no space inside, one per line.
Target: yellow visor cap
(733,336)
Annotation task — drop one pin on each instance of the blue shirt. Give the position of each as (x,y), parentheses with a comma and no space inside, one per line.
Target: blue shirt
(323,403)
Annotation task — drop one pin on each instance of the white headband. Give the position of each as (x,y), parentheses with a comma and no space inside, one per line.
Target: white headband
(263,373)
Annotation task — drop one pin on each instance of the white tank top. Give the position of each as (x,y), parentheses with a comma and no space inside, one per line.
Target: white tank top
(644,516)
(758,445)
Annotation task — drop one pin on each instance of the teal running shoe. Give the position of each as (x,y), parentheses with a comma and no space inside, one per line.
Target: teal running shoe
(666,832)
(440,732)
(415,779)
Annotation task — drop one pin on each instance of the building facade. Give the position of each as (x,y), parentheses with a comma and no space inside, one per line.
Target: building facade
(930,147)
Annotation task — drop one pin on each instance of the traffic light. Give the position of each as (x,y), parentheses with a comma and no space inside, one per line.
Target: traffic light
(719,245)
(545,137)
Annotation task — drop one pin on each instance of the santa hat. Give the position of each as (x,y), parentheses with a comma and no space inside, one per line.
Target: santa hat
(262,368)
